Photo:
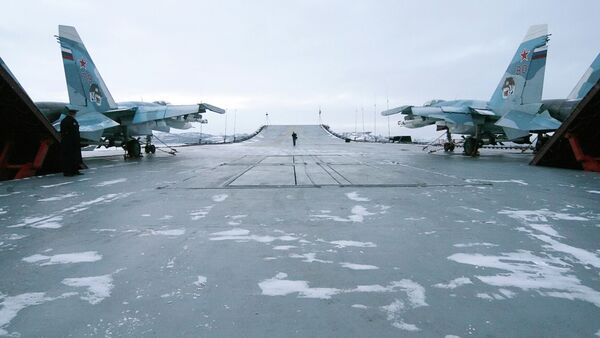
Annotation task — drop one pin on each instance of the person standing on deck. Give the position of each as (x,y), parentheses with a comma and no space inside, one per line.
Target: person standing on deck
(70,144)
(294,138)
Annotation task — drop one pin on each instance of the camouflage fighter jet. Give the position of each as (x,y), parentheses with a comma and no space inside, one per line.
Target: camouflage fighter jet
(103,121)
(515,109)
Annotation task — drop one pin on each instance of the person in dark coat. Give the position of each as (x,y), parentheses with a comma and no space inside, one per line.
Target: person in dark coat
(70,144)
(294,138)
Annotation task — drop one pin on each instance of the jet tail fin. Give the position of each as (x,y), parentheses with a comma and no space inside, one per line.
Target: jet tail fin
(84,83)
(587,81)
(523,81)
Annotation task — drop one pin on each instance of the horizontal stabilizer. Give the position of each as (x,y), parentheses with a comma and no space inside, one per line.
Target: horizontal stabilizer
(89,122)
(212,108)
(398,110)
(529,122)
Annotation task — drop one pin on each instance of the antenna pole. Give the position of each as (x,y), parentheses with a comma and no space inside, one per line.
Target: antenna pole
(388,118)
(362,112)
(234,121)
(375,121)
(225,136)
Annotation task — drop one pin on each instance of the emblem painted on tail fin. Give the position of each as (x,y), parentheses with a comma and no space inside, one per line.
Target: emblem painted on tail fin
(509,87)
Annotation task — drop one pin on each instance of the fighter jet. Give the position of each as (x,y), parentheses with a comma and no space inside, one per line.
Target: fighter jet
(514,110)
(101,120)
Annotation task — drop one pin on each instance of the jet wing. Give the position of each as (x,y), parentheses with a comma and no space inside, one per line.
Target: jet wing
(178,110)
(429,110)
(402,109)
(212,108)
(159,112)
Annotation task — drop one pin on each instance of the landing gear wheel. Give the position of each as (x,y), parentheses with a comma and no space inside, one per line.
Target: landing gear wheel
(133,149)
(449,146)
(150,149)
(471,146)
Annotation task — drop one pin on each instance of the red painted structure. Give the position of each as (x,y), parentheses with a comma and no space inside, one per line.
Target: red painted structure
(29,145)
(576,144)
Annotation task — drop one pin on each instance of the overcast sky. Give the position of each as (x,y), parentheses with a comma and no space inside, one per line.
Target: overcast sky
(288,58)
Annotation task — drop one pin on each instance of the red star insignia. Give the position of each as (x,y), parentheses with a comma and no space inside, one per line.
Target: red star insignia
(82,62)
(524,55)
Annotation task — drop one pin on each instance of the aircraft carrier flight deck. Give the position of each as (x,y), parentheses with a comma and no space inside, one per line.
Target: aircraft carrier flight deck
(263,239)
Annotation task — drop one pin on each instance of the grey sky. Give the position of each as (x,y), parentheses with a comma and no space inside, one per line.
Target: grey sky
(290,57)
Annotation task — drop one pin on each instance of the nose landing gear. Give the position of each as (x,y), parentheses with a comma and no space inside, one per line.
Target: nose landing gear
(149,148)
(449,144)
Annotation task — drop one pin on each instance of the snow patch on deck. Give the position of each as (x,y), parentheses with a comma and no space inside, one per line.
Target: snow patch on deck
(104,199)
(469,245)
(393,311)
(284,247)
(541,215)
(310,258)
(43,222)
(344,244)
(201,282)
(58,197)
(70,258)
(12,237)
(353,266)
(453,284)
(279,286)
(243,235)
(549,276)
(201,213)
(111,182)
(357,215)
(55,185)
(170,232)
(98,287)
(13,304)
(476,180)
(52,221)
(355,197)
(582,256)
(220,197)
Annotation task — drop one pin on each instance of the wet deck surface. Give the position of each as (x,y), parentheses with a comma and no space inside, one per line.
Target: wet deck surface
(325,239)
